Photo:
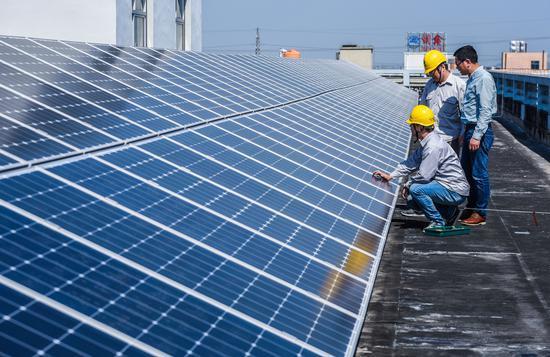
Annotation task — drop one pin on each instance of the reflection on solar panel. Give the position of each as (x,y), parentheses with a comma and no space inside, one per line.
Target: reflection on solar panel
(159,202)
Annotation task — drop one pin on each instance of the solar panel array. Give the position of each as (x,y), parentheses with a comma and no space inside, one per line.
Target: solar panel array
(160,202)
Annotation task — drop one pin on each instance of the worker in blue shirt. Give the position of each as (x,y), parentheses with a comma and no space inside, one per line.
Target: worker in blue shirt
(478,107)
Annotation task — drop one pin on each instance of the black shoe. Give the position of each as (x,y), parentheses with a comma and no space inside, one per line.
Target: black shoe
(451,221)
(412,213)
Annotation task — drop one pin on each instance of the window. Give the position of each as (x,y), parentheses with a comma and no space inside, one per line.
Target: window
(139,17)
(535,64)
(180,24)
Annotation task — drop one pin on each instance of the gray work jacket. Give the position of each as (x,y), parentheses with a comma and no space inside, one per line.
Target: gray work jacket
(434,160)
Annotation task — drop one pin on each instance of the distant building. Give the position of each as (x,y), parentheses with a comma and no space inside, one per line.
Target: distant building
(360,55)
(414,61)
(174,24)
(292,53)
(525,97)
(524,60)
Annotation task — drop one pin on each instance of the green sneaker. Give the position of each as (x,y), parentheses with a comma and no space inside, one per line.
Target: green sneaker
(433,225)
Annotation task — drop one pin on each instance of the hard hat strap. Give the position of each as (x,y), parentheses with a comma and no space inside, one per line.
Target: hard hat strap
(415,133)
(438,69)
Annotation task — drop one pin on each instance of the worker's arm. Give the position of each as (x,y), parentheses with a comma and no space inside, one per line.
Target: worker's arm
(408,166)
(485,100)
(403,169)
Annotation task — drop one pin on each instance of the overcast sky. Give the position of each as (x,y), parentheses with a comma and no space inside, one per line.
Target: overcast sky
(319,27)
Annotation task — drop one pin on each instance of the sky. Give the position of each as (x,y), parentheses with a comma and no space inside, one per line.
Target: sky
(317,28)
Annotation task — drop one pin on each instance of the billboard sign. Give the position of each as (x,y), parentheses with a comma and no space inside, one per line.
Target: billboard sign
(413,42)
(425,41)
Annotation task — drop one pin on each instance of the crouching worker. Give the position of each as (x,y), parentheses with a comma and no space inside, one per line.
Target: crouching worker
(437,184)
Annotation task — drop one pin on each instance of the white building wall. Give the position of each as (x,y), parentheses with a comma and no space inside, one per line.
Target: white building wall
(101,21)
(193,25)
(124,25)
(73,20)
(414,61)
(162,24)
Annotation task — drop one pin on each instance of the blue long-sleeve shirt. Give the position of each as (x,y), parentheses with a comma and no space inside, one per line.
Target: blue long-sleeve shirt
(480,101)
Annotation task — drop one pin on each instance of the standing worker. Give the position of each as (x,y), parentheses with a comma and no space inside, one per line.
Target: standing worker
(437,184)
(443,94)
(479,105)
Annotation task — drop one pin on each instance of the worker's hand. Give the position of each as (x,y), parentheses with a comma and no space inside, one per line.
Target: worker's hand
(381,174)
(405,192)
(474,144)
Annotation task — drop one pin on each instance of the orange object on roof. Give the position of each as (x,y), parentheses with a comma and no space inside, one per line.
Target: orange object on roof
(292,53)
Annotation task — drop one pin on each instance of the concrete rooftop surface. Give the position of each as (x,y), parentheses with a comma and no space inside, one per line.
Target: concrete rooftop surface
(487,293)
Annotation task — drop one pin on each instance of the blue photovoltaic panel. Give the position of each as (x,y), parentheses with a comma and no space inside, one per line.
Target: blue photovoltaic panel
(104,70)
(293,180)
(5,160)
(179,81)
(117,295)
(231,284)
(27,144)
(259,233)
(57,126)
(96,97)
(128,93)
(260,91)
(100,95)
(29,326)
(68,105)
(327,234)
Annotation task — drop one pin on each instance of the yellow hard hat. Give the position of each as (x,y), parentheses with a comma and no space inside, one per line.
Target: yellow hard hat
(432,59)
(421,115)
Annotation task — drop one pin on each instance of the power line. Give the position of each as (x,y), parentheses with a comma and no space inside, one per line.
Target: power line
(230,30)
(230,45)
(364,30)
(378,49)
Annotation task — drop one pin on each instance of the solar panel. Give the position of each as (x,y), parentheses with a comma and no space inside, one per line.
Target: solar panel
(158,202)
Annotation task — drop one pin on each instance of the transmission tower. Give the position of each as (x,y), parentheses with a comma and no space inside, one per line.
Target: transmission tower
(257,41)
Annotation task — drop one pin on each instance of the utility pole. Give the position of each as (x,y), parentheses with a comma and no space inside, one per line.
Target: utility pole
(257,41)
